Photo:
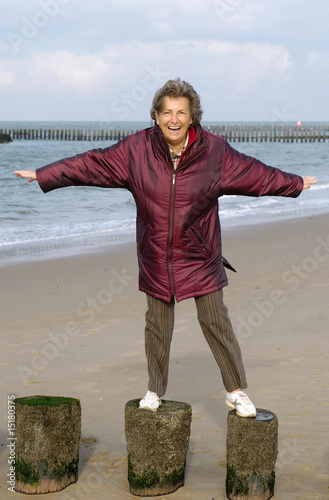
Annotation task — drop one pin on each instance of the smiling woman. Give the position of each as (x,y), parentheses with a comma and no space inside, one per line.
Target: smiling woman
(176,171)
(174,120)
(177,88)
(176,106)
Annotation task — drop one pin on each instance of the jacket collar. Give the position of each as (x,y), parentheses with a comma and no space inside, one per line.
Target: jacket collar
(196,139)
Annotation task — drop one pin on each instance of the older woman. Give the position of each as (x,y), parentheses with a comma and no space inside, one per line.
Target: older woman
(176,172)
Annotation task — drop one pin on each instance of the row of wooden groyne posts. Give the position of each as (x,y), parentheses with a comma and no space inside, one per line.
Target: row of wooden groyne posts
(232,133)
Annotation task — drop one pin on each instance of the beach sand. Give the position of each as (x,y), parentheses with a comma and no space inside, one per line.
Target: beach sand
(74,326)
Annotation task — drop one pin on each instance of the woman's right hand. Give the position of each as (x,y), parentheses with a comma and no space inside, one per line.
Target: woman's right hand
(26,174)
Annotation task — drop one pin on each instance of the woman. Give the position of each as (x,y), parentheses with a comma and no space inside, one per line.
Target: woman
(176,172)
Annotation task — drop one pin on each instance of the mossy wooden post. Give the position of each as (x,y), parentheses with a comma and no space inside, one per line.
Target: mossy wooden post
(5,138)
(252,448)
(47,443)
(157,445)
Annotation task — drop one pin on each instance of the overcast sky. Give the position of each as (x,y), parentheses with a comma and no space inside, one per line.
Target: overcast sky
(250,60)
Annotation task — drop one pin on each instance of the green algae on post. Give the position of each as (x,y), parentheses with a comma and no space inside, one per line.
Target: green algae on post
(48,433)
(45,400)
(150,478)
(246,485)
(157,444)
(251,447)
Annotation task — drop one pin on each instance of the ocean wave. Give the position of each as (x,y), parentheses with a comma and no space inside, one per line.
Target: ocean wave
(320,187)
(66,240)
(42,236)
(86,215)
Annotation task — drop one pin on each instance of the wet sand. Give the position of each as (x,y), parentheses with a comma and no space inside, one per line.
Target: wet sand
(73,326)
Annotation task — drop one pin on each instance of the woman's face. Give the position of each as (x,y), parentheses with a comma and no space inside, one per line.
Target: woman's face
(174,119)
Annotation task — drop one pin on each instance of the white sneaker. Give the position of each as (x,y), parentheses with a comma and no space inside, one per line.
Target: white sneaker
(240,402)
(150,401)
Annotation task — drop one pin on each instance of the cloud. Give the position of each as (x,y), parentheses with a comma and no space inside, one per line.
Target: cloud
(151,8)
(67,71)
(58,71)
(62,71)
(262,62)
(259,54)
(120,66)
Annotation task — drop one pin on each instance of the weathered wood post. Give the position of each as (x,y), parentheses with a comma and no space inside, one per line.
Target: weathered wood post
(47,443)
(157,445)
(5,138)
(252,448)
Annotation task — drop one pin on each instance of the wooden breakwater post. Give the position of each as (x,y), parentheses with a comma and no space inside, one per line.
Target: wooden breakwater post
(67,134)
(47,441)
(231,132)
(252,448)
(157,445)
(5,138)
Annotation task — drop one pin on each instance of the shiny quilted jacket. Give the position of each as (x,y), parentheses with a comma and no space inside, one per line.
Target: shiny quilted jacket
(178,227)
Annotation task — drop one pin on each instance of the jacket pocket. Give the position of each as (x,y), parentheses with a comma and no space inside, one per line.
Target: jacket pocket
(145,238)
(198,240)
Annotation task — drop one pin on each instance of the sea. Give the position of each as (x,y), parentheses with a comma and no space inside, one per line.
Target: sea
(34,225)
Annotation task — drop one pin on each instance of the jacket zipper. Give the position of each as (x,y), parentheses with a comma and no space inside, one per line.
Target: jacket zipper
(170,236)
(171,218)
(200,242)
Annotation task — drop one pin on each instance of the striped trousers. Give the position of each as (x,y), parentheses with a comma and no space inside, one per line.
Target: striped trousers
(217,329)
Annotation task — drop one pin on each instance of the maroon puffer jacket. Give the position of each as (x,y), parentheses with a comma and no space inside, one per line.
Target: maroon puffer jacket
(178,228)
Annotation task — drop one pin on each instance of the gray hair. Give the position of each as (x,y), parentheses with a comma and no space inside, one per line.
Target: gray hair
(178,88)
